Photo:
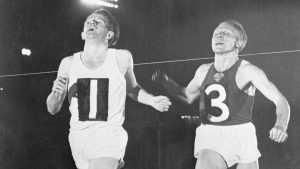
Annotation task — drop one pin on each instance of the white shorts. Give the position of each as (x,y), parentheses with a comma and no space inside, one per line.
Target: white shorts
(88,144)
(236,144)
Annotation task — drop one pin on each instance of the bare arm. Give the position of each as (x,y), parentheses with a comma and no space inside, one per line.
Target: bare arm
(269,90)
(59,89)
(136,92)
(187,94)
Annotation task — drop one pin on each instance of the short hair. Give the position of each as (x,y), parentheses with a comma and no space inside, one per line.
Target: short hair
(111,24)
(242,32)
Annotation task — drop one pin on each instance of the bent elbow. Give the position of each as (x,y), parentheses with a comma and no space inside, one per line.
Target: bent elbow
(185,100)
(189,101)
(52,111)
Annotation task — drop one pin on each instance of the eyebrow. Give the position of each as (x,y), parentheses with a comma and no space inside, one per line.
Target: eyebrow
(225,29)
(100,20)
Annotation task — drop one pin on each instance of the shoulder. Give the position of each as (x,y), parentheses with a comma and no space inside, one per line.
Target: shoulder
(65,65)
(123,55)
(247,69)
(123,52)
(67,60)
(203,68)
(124,60)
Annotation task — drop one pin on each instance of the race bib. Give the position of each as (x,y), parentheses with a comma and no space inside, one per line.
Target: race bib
(92,96)
(216,103)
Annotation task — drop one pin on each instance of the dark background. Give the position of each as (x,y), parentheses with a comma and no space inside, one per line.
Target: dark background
(153,30)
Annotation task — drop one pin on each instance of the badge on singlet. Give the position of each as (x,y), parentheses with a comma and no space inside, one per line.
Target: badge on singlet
(214,104)
(92,96)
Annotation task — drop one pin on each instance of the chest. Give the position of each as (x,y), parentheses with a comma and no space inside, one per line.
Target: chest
(234,81)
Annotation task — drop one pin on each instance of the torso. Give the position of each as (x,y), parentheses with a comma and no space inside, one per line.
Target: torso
(97,92)
(233,94)
(91,64)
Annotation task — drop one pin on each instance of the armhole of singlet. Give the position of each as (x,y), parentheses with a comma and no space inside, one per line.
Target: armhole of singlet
(210,67)
(75,60)
(114,54)
(247,86)
(75,56)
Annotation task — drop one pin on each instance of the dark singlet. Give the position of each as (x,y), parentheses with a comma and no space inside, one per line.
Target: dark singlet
(222,102)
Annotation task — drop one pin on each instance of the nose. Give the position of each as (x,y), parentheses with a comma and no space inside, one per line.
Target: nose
(219,36)
(91,23)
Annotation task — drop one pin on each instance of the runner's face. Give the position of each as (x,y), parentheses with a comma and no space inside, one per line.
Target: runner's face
(94,27)
(224,39)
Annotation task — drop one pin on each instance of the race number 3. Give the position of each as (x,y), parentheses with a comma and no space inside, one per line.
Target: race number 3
(217,102)
(92,95)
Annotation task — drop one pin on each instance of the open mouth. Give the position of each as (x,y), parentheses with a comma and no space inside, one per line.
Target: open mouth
(219,43)
(91,30)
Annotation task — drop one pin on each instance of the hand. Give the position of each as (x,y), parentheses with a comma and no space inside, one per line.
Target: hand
(60,85)
(161,103)
(278,134)
(159,75)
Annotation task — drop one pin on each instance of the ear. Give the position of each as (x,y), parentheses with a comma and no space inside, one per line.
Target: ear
(238,44)
(109,35)
(82,35)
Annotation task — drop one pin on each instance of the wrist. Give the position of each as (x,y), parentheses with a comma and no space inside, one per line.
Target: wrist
(281,126)
(145,98)
(57,96)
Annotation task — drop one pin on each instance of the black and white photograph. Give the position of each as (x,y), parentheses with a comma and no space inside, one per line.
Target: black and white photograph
(149,84)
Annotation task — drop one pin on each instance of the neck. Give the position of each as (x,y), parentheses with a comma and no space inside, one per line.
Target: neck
(94,49)
(224,61)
